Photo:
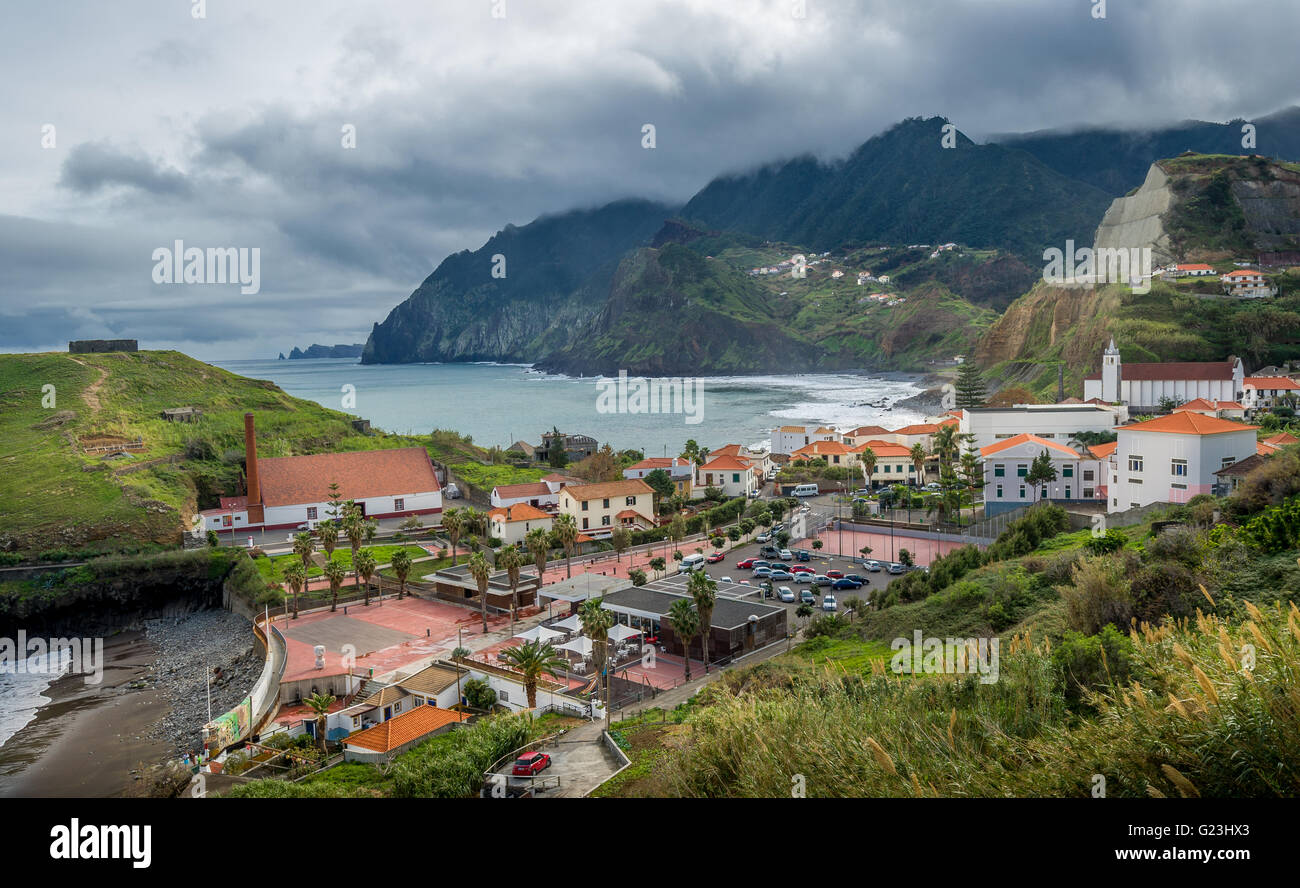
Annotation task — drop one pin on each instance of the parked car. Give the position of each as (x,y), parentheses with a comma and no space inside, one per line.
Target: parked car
(804,577)
(745,563)
(726,580)
(897,569)
(934,487)
(779,565)
(802,569)
(530,764)
(829,603)
(770,552)
(806,596)
(777,528)
(858,578)
(715,558)
(781,575)
(762,571)
(785,593)
(803,510)
(785,555)
(872,566)
(846,583)
(822,580)
(801,555)
(764,537)
(862,491)
(760,563)
(835,574)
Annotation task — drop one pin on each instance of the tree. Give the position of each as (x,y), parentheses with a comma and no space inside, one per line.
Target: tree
(511,560)
(970,386)
(213,540)
(620,538)
(454,526)
(401,565)
(918,456)
(566,531)
(596,623)
(539,546)
(945,444)
(1041,471)
(704,592)
(335,573)
(685,620)
(817,544)
(854,604)
(480,570)
(662,484)
(479,694)
(303,546)
(533,660)
(868,459)
(364,567)
(657,564)
(677,530)
(354,528)
(320,704)
(296,576)
(691,451)
(335,496)
(329,538)
(905,558)
(637,576)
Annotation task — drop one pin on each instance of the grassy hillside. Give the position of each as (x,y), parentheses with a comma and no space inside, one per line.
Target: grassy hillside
(58,497)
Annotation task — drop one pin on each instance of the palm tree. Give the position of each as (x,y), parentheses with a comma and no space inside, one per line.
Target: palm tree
(918,457)
(620,538)
(454,526)
(676,531)
(510,560)
(533,660)
(320,704)
(480,570)
(329,538)
(685,620)
(335,573)
(596,623)
(945,443)
(704,591)
(401,565)
(296,576)
(566,531)
(538,542)
(363,566)
(971,474)
(303,546)
(354,528)
(472,519)
(868,459)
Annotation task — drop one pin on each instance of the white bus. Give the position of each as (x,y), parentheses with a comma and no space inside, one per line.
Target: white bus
(690,562)
(805,490)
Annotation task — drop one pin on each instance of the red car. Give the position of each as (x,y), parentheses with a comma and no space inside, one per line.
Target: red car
(802,569)
(714,558)
(746,564)
(530,764)
(835,574)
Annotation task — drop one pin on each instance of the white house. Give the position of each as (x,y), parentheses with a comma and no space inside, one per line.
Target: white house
(511,524)
(1267,392)
(286,492)
(1195,269)
(733,475)
(599,508)
(1171,459)
(1007,464)
(1221,409)
(1247,284)
(788,439)
(1055,422)
(1141,387)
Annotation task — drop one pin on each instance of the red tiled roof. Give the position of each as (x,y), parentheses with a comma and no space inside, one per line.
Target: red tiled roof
(628,513)
(925,428)
(361,474)
(1187,423)
(654,462)
(517,512)
(1026,438)
(1278,383)
(1102,451)
(515,491)
(1206,404)
(1196,266)
(1281,439)
(402,729)
(1241,272)
(883,448)
(605,489)
(726,461)
(862,431)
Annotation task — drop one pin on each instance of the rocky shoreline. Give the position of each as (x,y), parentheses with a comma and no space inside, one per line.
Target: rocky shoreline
(189,648)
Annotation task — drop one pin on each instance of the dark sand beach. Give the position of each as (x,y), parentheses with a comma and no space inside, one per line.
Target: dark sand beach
(85,742)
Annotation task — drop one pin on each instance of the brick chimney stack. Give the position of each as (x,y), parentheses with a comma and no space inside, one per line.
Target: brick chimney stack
(250,462)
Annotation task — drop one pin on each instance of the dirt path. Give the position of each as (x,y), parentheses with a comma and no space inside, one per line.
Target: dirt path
(91,393)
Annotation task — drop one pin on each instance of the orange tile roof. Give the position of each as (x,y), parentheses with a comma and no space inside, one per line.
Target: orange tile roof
(1026,438)
(1187,423)
(1206,404)
(1241,272)
(1196,266)
(654,462)
(1281,439)
(1263,448)
(924,428)
(361,474)
(518,512)
(951,420)
(628,513)
(862,431)
(514,491)
(1102,451)
(726,461)
(884,448)
(402,729)
(605,489)
(817,448)
(1272,382)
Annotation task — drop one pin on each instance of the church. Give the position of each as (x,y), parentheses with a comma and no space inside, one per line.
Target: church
(1143,386)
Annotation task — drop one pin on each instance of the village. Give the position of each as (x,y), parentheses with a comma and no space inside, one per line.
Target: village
(400,616)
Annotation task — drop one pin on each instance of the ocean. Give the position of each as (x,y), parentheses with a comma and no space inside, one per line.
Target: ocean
(503,403)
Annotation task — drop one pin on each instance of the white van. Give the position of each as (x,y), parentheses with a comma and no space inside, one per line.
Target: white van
(805,490)
(690,563)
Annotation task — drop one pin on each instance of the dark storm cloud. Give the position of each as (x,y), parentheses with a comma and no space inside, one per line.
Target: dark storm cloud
(464,123)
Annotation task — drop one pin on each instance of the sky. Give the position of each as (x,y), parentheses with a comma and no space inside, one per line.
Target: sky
(128,126)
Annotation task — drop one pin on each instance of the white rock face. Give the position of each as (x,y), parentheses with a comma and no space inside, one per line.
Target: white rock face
(1134,221)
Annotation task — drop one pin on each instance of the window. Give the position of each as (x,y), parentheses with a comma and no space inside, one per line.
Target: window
(311,513)
(1178,468)
(604,504)
(225,520)
(999,470)
(397,707)
(504,695)
(1022,470)
(584,523)
(735,477)
(584,505)
(999,494)
(1229,460)
(1022,491)
(419,701)
(1067,471)
(399,504)
(1087,475)
(356,721)
(1067,493)
(1135,463)
(1088,493)
(631,500)
(605,520)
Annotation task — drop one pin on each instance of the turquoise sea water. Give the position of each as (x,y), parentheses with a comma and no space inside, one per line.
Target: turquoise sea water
(502,403)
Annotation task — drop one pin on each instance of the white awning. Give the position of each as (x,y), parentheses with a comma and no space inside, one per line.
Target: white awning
(620,632)
(540,633)
(580,645)
(568,624)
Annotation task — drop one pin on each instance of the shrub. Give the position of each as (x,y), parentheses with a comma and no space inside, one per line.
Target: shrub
(479,694)
(1098,593)
(1093,662)
(1111,541)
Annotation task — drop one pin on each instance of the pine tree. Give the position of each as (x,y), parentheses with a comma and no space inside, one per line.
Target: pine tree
(970,386)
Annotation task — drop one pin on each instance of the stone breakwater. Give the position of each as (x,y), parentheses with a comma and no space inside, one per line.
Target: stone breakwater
(213,642)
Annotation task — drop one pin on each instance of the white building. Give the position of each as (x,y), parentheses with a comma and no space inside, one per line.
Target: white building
(1267,392)
(733,475)
(512,523)
(1171,459)
(1079,475)
(1054,422)
(788,439)
(1141,387)
(599,508)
